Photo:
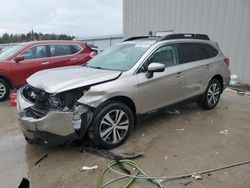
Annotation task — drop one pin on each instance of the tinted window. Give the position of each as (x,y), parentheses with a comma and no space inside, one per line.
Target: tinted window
(164,54)
(209,50)
(189,52)
(75,48)
(35,52)
(60,50)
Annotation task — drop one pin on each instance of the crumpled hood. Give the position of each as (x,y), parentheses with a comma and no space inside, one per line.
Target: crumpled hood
(62,79)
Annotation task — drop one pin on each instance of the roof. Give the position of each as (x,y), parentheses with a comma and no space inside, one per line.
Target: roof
(51,42)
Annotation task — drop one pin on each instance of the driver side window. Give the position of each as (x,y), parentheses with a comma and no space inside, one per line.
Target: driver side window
(164,54)
(35,52)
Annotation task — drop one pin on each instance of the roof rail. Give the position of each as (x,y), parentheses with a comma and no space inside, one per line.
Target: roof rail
(141,37)
(184,36)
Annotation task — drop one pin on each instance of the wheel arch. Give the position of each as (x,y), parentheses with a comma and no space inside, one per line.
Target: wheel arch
(125,100)
(5,78)
(220,79)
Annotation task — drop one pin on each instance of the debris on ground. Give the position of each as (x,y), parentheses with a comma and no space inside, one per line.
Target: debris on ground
(174,111)
(179,130)
(233,79)
(86,168)
(225,132)
(25,183)
(166,157)
(45,156)
(138,173)
(196,176)
(110,155)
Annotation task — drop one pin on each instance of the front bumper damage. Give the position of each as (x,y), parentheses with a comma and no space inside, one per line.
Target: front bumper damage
(56,127)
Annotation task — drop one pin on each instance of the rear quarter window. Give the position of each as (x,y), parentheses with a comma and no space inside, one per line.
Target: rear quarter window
(75,49)
(209,50)
(189,52)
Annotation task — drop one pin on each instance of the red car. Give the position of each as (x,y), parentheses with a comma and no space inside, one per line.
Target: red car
(22,60)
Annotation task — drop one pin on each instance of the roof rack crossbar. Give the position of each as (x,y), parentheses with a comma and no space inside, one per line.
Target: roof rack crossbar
(184,36)
(141,37)
(172,37)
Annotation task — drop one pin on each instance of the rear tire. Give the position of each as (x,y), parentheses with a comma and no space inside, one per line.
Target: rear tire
(211,97)
(4,90)
(112,124)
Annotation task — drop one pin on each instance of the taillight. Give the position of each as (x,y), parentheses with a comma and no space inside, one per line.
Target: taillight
(227,61)
(92,54)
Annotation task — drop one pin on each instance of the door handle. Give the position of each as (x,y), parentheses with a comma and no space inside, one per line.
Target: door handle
(45,63)
(179,74)
(72,59)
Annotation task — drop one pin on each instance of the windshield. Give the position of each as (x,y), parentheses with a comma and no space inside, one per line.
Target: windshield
(10,51)
(120,57)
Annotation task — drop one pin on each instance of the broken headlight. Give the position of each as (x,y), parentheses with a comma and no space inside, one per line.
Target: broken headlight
(67,99)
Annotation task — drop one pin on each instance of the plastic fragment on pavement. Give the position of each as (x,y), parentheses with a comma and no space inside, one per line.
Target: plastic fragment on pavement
(175,111)
(86,168)
(225,132)
(196,176)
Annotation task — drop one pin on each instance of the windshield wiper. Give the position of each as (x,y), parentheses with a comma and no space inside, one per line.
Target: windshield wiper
(95,67)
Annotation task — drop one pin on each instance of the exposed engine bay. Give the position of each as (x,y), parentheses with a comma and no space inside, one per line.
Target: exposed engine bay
(55,110)
(45,102)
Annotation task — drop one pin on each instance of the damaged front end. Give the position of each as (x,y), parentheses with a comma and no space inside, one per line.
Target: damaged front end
(52,119)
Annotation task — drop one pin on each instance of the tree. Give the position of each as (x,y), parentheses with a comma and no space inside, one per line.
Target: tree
(15,38)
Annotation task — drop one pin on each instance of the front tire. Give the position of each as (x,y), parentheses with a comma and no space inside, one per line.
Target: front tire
(212,95)
(4,90)
(112,124)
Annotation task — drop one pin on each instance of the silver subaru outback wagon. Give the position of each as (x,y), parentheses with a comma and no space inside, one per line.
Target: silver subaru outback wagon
(105,98)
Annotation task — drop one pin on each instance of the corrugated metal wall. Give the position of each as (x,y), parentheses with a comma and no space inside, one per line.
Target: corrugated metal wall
(225,21)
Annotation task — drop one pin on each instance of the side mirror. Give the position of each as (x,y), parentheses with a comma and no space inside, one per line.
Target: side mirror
(155,67)
(19,58)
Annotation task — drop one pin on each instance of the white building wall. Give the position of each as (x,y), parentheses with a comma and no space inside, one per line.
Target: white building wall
(225,21)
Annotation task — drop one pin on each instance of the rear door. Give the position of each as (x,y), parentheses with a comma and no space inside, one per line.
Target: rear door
(195,68)
(36,58)
(66,55)
(164,88)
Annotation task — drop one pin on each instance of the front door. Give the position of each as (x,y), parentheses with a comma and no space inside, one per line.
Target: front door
(164,88)
(35,59)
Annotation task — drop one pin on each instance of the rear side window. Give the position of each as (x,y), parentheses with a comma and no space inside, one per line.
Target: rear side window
(189,52)
(60,50)
(209,50)
(63,49)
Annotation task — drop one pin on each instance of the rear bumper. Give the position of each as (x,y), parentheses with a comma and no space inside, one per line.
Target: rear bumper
(55,128)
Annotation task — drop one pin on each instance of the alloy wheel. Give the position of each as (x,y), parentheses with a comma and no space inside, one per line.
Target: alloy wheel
(2,90)
(114,126)
(213,94)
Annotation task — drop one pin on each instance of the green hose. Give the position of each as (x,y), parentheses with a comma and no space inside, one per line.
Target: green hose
(131,180)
